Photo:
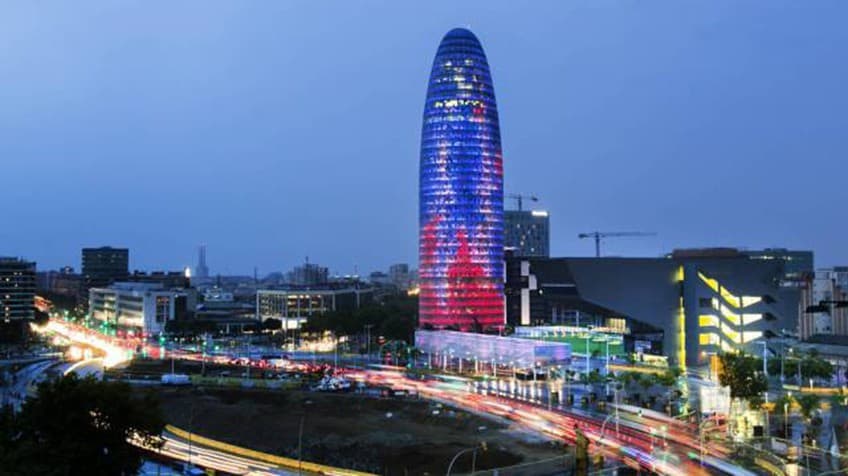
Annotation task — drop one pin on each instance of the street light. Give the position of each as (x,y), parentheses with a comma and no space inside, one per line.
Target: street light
(588,336)
(604,424)
(786,418)
(473,449)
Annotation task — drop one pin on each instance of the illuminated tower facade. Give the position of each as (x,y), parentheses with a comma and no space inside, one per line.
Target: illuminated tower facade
(461,192)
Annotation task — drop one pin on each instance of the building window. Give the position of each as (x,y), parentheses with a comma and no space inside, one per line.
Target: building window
(163,307)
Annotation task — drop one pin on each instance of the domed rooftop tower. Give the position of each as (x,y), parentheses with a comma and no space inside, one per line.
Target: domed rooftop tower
(461,192)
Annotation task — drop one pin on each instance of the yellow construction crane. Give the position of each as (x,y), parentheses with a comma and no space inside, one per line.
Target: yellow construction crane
(519,198)
(597,235)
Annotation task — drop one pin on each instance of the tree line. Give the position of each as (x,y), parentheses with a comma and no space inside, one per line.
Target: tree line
(395,318)
(78,426)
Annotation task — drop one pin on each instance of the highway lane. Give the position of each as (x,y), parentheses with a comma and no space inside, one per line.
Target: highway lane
(24,383)
(667,451)
(190,452)
(89,367)
(639,443)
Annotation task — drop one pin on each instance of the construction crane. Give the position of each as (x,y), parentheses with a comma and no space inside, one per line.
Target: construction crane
(519,198)
(597,235)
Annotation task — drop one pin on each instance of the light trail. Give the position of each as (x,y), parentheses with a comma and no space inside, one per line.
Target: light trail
(114,354)
(630,445)
(180,450)
(633,443)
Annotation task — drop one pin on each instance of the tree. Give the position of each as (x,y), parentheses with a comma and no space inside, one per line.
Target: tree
(272,324)
(646,381)
(743,374)
(594,377)
(808,403)
(811,366)
(395,319)
(79,427)
(669,377)
(815,367)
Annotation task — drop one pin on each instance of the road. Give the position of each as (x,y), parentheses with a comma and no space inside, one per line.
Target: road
(85,368)
(651,441)
(192,453)
(23,383)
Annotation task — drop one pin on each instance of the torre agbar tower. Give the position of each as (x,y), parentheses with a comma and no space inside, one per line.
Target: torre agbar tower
(461,192)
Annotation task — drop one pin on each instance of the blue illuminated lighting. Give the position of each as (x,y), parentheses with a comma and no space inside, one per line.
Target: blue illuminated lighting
(461,192)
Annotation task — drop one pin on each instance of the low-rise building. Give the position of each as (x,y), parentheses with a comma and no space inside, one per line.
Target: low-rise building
(294,306)
(489,353)
(137,309)
(688,306)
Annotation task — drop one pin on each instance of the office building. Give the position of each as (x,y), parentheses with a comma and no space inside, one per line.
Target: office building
(201,271)
(461,192)
(63,282)
(399,276)
(167,279)
(17,297)
(687,306)
(104,266)
(797,264)
(294,306)
(527,232)
(379,278)
(137,310)
(308,274)
(824,304)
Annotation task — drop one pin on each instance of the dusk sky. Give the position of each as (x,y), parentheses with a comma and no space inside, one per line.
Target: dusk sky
(275,130)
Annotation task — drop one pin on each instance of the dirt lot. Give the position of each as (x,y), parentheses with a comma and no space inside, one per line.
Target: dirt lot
(385,436)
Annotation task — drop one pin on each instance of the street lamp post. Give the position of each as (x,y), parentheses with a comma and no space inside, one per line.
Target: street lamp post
(462,452)
(300,444)
(615,398)
(604,424)
(368,341)
(190,430)
(782,353)
(786,420)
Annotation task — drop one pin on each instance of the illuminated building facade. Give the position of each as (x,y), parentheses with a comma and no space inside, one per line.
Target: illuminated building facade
(104,266)
(294,306)
(687,306)
(461,192)
(527,232)
(17,289)
(136,309)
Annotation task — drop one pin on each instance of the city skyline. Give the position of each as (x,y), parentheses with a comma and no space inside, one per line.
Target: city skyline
(620,118)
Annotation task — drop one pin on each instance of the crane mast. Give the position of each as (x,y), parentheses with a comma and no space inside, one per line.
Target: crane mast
(597,235)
